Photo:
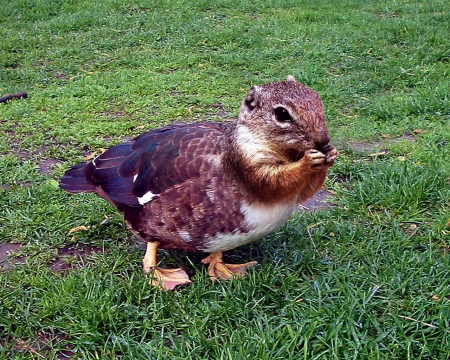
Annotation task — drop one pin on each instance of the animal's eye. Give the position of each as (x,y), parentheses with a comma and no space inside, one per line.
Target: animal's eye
(282,115)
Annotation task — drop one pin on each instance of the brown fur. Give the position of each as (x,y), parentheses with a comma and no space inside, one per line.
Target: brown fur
(294,157)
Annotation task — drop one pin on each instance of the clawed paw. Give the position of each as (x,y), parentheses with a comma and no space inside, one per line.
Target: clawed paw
(331,154)
(315,157)
(326,156)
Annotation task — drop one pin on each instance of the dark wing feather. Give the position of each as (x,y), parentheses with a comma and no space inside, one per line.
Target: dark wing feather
(75,180)
(155,161)
(162,165)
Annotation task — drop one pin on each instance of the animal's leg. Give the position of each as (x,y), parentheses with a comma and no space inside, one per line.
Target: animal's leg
(218,269)
(168,279)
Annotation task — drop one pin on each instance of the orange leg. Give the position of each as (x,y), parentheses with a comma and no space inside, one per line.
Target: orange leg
(218,269)
(168,279)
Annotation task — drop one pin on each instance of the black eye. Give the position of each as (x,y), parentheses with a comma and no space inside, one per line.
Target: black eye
(282,115)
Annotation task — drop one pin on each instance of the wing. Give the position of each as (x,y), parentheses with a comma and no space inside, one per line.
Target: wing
(133,172)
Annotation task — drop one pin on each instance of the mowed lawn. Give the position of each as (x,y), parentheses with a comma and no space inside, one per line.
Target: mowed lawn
(365,278)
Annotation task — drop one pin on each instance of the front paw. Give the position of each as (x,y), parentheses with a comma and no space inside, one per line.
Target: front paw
(331,154)
(315,158)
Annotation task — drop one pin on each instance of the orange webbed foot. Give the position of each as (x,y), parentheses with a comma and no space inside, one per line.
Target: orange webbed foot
(168,279)
(218,269)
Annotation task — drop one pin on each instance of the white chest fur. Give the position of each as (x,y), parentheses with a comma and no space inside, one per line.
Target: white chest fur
(261,219)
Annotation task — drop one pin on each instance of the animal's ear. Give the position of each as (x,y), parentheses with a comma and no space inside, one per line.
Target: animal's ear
(290,78)
(250,101)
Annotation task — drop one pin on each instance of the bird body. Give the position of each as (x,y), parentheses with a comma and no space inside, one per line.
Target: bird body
(212,187)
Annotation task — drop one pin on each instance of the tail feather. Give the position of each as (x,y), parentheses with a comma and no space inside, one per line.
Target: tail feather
(75,180)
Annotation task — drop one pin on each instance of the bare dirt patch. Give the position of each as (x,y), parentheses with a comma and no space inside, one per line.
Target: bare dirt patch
(8,260)
(72,256)
(41,345)
(62,76)
(46,167)
(24,155)
(320,201)
(115,114)
(177,93)
(127,138)
(220,110)
(379,145)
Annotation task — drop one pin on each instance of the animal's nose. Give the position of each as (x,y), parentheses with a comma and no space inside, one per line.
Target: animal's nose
(321,141)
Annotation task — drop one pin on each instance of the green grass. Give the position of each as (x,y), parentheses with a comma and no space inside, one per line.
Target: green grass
(366,279)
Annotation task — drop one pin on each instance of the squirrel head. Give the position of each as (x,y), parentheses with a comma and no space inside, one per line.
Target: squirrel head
(281,120)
